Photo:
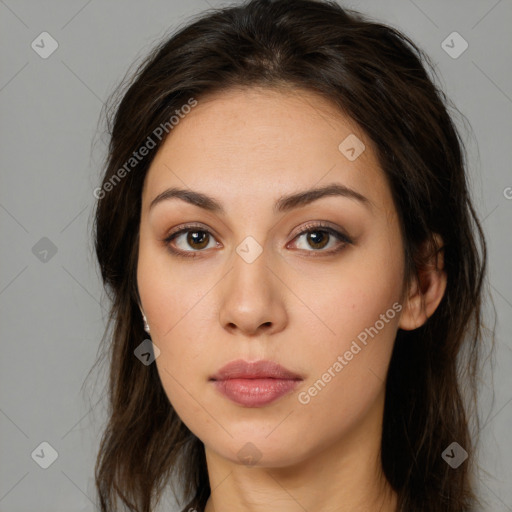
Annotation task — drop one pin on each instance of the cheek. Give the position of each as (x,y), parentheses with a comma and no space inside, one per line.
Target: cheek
(360,311)
(352,296)
(176,307)
(167,293)
(348,375)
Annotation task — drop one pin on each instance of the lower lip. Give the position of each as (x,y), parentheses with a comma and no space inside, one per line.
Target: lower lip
(255,392)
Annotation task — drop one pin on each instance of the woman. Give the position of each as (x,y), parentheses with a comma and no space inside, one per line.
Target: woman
(285,228)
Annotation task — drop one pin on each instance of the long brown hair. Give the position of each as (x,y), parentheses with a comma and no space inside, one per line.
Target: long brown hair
(384,82)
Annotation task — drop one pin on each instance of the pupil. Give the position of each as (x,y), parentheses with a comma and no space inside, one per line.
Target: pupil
(314,235)
(195,236)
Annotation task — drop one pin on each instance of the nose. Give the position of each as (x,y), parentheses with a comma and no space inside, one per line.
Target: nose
(252,298)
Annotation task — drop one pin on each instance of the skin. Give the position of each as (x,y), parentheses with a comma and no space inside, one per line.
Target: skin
(294,304)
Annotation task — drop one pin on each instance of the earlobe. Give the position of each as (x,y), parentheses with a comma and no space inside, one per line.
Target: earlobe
(144,319)
(427,291)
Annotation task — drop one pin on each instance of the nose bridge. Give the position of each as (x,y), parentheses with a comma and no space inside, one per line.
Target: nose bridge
(250,273)
(249,297)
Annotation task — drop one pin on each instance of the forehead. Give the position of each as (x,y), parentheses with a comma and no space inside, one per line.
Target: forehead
(243,142)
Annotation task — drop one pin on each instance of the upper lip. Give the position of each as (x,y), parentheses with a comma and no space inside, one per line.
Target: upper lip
(241,369)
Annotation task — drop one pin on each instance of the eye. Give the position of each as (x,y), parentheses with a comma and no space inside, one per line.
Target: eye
(320,235)
(317,235)
(196,237)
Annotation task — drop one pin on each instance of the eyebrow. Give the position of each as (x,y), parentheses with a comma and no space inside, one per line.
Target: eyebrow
(283,204)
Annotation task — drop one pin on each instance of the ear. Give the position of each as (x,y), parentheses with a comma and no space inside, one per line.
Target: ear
(425,293)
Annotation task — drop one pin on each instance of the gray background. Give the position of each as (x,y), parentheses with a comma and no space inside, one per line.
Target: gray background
(52,307)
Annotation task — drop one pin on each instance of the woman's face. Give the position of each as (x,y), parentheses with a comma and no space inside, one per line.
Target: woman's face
(261,277)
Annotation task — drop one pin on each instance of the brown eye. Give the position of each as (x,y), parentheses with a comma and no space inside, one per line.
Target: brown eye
(188,241)
(319,236)
(199,238)
(318,239)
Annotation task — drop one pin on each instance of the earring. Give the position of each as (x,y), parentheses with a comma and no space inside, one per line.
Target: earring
(146,326)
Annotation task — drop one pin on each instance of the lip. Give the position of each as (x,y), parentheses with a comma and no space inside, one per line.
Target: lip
(254,384)
(262,369)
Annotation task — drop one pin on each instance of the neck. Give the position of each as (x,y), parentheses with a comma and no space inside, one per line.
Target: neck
(342,476)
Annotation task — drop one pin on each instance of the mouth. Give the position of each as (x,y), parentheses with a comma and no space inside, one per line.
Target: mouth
(254,384)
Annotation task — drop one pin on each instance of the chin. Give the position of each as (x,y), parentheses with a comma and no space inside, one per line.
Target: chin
(259,450)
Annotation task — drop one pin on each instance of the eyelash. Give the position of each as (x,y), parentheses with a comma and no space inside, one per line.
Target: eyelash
(309,228)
